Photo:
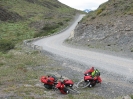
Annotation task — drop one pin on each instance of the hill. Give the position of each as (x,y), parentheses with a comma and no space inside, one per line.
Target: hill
(109,27)
(24,19)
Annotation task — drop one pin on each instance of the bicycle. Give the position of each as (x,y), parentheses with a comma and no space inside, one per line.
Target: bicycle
(66,86)
(89,81)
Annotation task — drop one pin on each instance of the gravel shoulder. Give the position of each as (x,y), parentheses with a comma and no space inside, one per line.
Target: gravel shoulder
(112,86)
(124,54)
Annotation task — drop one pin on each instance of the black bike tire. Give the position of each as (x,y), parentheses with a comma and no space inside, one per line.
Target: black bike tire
(81,82)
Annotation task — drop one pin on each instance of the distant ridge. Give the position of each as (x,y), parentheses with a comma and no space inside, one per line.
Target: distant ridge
(87,10)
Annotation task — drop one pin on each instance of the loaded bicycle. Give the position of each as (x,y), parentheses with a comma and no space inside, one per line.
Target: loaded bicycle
(65,86)
(91,78)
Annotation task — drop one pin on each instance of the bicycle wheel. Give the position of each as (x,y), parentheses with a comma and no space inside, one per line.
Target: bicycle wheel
(73,90)
(48,86)
(82,84)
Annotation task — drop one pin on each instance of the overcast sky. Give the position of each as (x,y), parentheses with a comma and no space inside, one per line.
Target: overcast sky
(83,4)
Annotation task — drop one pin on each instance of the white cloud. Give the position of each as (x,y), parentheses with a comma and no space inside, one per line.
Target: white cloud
(83,4)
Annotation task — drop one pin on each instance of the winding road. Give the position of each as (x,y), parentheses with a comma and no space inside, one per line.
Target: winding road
(109,63)
(54,44)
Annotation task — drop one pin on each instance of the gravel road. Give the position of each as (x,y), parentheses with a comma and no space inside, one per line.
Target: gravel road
(116,72)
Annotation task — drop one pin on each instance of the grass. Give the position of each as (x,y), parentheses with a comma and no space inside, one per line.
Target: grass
(19,68)
(16,31)
(23,8)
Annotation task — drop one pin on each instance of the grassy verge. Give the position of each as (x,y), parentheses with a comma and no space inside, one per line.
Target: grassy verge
(21,67)
(20,64)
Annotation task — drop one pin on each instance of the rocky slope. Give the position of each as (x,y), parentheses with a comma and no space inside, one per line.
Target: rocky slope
(109,27)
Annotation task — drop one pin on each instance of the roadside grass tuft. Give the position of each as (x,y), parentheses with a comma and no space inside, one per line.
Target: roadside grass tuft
(131,96)
(131,49)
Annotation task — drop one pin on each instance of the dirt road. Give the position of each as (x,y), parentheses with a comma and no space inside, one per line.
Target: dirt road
(116,70)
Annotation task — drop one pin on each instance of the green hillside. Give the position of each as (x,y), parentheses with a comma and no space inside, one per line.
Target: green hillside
(24,19)
(110,9)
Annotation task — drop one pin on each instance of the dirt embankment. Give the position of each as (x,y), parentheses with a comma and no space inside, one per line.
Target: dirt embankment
(116,36)
(108,28)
